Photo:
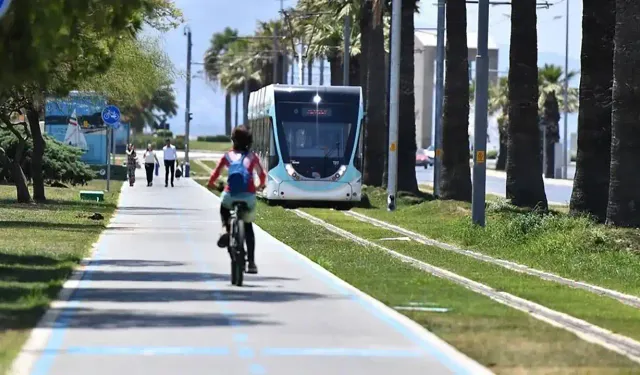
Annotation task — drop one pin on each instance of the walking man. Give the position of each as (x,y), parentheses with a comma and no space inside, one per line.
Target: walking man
(170,156)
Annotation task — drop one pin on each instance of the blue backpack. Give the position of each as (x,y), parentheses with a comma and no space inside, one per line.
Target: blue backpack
(239,176)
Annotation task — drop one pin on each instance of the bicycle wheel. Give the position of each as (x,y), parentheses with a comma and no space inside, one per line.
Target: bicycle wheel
(232,250)
(239,255)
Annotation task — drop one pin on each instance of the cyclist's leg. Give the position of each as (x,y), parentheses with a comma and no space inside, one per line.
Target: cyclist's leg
(250,239)
(225,215)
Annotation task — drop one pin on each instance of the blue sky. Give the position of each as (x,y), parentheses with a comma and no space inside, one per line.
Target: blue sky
(206,17)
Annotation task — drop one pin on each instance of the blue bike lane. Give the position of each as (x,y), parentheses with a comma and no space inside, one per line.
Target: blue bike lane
(155,298)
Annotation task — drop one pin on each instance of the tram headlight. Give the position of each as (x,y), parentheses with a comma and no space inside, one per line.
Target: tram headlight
(339,173)
(292,172)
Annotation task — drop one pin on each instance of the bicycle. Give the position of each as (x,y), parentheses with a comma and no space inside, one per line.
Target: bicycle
(236,247)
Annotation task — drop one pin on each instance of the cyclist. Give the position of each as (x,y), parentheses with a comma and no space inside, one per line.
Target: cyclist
(241,163)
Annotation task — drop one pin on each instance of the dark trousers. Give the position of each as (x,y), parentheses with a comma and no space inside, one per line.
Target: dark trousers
(169,165)
(249,236)
(148,167)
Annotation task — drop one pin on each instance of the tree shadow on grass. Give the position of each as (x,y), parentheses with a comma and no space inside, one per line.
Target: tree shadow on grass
(89,227)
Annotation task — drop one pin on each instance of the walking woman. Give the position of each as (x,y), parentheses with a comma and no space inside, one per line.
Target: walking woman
(150,160)
(132,163)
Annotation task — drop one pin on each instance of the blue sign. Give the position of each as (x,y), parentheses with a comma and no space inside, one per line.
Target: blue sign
(4,7)
(111,115)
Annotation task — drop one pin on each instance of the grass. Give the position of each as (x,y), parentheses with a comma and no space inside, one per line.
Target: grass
(506,340)
(196,170)
(602,311)
(39,247)
(209,146)
(573,247)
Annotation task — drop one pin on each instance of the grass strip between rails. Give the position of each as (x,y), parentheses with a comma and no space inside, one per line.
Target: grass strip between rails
(572,247)
(506,340)
(209,146)
(599,310)
(40,244)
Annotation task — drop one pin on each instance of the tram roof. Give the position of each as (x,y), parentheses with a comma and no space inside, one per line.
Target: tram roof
(279,88)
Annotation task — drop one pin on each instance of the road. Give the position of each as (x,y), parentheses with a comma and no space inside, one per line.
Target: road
(558,191)
(156,299)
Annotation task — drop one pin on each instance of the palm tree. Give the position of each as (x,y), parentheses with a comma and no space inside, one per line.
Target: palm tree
(218,46)
(551,82)
(456,174)
(591,183)
(237,66)
(499,105)
(407,124)
(372,64)
(161,105)
(624,187)
(264,47)
(524,168)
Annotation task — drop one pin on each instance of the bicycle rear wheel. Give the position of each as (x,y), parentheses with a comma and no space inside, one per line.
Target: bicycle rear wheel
(239,253)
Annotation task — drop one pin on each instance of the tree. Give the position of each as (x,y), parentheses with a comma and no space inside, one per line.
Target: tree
(150,112)
(623,208)
(9,110)
(456,174)
(591,183)
(525,186)
(375,91)
(499,105)
(407,122)
(219,44)
(551,84)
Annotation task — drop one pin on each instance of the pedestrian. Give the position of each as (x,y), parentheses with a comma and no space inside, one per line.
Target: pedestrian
(150,160)
(132,163)
(170,157)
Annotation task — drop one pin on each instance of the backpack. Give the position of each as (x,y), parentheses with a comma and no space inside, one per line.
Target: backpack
(239,176)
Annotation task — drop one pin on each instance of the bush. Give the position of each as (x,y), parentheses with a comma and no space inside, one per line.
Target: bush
(60,163)
(492,154)
(215,138)
(164,133)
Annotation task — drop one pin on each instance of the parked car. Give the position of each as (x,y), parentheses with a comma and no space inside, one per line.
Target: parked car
(422,159)
(431,154)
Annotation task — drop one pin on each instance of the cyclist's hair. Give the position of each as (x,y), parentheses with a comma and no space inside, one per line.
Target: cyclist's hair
(242,138)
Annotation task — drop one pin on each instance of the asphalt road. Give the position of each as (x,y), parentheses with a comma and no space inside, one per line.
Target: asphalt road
(156,299)
(558,191)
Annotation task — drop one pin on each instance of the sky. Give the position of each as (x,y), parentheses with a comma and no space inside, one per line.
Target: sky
(205,17)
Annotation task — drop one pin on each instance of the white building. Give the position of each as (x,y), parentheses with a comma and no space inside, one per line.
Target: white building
(424,78)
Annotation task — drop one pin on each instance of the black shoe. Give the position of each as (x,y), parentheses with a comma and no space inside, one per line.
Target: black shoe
(172,184)
(223,241)
(166,185)
(252,268)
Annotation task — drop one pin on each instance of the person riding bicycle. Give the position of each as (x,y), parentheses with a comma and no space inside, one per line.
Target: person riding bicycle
(241,163)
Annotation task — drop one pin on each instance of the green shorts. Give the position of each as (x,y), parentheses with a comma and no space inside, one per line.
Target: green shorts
(248,198)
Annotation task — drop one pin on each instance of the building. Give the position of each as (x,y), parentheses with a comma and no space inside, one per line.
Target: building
(424,79)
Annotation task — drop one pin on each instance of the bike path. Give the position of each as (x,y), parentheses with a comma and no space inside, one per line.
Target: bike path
(155,298)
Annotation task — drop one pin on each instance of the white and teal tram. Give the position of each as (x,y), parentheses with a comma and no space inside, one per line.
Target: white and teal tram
(309,139)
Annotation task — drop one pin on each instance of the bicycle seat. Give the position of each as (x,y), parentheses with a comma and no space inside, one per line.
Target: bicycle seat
(240,205)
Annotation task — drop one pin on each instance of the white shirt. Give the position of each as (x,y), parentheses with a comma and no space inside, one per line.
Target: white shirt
(150,156)
(169,152)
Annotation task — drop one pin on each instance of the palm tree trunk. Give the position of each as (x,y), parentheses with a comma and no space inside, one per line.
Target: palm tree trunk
(322,71)
(236,107)
(310,72)
(335,68)
(407,124)
(624,187)
(501,162)
(456,173)
(37,155)
(591,183)
(525,186)
(227,113)
(376,104)
(354,71)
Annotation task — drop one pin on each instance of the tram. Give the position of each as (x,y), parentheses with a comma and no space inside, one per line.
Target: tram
(309,138)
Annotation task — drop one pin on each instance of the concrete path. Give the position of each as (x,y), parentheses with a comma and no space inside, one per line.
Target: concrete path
(156,299)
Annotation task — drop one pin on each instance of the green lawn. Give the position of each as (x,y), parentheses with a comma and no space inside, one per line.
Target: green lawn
(506,340)
(197,171)
(572,247)
(39,247)
(209,146)
(599,310)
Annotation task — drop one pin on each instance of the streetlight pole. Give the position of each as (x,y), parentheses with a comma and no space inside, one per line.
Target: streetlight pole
(187,115)
(394,103)
(347,50)
(440,54)
(565,160)
(481,112)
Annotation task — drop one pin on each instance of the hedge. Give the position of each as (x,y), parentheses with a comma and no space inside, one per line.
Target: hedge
(214,138)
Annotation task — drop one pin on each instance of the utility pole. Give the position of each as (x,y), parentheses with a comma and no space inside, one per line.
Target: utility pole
(565,160)
(394,103)
(480,126)
(187,31)
(347,50)
(440,54)
(285,58)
